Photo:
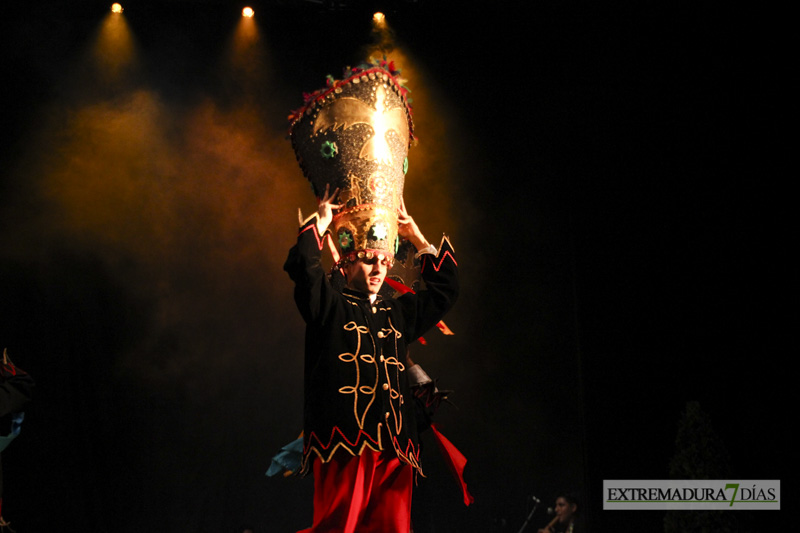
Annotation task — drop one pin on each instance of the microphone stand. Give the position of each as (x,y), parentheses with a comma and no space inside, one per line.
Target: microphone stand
(536,502)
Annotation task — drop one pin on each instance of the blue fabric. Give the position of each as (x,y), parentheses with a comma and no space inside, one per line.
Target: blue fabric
(16,426)
(289,459)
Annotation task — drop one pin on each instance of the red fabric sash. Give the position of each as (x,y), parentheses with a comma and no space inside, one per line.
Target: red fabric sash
(455,460)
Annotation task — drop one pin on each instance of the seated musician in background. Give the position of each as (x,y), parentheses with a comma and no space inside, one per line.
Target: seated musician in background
(566,519)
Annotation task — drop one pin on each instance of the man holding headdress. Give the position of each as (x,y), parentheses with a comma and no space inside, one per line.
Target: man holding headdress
(360,432)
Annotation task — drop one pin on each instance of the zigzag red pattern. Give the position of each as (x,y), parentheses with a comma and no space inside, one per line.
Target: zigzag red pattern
(441,260)
(411,456)
(336,429)
(316,234)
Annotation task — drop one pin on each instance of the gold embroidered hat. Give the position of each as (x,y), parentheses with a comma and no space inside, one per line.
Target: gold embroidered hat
(354,134)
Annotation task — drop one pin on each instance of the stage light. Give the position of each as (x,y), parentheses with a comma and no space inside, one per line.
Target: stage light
(116,8)
(379,18)
(248,12)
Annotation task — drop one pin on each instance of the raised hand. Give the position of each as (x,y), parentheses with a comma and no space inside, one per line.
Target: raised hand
(326,208)
(408,229)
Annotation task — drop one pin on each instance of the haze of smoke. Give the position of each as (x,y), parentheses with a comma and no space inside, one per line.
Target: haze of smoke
(199,203)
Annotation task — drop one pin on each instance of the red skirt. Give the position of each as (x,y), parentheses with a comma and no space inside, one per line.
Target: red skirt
(370,493)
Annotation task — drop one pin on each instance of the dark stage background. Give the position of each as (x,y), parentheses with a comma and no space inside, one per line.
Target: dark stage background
(612,178)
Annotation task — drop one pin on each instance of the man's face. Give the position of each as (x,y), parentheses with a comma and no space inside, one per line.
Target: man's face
(366,275)
(564,509)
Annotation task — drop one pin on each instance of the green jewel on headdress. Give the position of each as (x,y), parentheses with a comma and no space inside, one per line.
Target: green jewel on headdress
(345,239)
(329,150)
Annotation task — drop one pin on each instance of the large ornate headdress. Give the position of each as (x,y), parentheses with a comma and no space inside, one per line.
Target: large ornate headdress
(354,135)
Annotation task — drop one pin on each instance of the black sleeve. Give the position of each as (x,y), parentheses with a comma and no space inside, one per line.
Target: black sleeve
(427,307)
(313,293)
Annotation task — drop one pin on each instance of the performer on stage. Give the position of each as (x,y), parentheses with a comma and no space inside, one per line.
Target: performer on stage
(360,431)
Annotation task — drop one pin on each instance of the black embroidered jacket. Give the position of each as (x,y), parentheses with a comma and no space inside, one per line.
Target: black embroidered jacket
(356,390)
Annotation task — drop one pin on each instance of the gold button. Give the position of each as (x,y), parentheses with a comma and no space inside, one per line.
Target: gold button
(387,415)
(374,310)
(381,334)
(383,359)
(385,386)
